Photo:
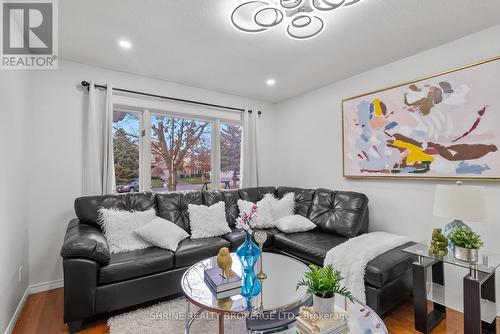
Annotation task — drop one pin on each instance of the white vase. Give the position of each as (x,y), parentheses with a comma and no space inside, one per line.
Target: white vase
(324,305)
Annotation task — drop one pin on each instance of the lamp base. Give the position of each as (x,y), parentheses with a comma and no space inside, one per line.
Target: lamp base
(450,227)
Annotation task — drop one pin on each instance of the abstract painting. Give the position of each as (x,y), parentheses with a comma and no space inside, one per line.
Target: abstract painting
(443,126)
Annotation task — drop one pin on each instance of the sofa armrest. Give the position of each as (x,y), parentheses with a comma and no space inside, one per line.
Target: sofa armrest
(85,241)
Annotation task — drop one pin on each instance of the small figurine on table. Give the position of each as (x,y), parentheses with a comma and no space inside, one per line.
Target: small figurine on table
(439,243)
(225,262)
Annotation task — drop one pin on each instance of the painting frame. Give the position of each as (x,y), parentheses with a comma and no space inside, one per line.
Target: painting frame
(407,83)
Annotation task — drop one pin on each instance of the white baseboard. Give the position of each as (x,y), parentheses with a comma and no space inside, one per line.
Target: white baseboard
(13,320)
(46,286)
(35,288)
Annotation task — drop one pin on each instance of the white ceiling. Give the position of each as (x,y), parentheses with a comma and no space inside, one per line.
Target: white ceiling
(192,41)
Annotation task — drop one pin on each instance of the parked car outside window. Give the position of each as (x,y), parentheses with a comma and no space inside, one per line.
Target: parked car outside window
(129,187)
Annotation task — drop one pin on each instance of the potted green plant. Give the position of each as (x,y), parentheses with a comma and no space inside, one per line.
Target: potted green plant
(466,244)
(323,284)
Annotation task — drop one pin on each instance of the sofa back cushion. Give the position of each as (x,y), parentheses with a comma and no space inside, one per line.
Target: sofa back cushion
(229,197)
(174,207)
(339,212)
(86,208)
(303,198)
(255,194)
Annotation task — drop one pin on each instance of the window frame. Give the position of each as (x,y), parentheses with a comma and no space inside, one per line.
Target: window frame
(147,108)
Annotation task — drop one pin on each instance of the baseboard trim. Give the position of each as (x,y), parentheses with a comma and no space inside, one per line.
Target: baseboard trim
(32,289)
(17,313)
(45,286)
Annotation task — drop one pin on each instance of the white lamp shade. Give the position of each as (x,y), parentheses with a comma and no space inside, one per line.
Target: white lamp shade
(459,202)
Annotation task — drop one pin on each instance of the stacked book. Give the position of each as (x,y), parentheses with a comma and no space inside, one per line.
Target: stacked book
(221,286)
(310,322)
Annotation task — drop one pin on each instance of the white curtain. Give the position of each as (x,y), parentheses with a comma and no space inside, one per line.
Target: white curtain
(249,163)
(98,162)
(215,160)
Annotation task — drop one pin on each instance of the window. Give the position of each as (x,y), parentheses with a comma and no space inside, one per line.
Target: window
(162,151)
(180,153)
(126,150)
(230,152)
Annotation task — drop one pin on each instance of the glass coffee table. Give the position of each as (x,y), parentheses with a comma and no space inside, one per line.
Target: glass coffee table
(275,308)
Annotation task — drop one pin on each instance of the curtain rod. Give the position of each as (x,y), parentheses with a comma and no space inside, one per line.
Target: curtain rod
(87,84)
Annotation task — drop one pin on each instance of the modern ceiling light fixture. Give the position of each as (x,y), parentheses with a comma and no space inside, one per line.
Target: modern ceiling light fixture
(303,18)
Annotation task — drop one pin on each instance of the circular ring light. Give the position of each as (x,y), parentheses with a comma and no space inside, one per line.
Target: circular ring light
(298,30)
(301,21)
(243,15)
(303,18)
(334,4)
(351,2)
(291,4)
(326,5)
(268,17)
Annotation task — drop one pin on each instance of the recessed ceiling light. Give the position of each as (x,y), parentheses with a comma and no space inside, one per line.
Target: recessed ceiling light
(125,44)
(270,82)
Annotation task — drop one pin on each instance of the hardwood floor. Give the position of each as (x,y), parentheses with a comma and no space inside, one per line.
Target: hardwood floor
(43,314)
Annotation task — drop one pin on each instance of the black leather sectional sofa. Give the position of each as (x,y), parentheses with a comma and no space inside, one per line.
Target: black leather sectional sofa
(97,282)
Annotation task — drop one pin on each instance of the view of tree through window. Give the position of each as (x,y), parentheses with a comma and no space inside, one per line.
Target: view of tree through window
(181,151)
(126,150)
(230,151)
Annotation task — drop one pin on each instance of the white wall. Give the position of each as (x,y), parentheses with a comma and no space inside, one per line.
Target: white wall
(55,153)
(14,179)
(307,146)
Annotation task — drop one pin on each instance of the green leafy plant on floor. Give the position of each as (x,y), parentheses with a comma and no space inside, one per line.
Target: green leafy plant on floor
(324,282)
(465,238)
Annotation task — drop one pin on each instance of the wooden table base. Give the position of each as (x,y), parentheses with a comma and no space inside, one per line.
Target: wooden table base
(425,321)
(476,285)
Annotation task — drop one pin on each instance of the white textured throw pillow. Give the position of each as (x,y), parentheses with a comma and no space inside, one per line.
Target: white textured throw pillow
(162,233)
(294,223)
(281,207)
(208,221)
(119,227)
(263,217)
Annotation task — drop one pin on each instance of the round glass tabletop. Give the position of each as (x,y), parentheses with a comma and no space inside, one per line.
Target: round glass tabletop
(279,291)
(361,318)
(279,294)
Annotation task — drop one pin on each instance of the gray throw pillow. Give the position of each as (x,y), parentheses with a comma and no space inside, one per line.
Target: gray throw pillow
(294,224)
(162,233)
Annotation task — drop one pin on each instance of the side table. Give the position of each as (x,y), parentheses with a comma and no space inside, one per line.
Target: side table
(478,298)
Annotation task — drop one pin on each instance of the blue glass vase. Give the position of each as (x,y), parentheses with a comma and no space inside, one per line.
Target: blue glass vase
(249,253)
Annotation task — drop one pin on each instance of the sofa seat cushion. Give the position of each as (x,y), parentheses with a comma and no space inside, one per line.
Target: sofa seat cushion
(303,198)
(138,263)
(255,194)
(87,208)
(191,251)
(339,212)
(173,206)
(389,266)
(229,197)
(311,246)
(237,237)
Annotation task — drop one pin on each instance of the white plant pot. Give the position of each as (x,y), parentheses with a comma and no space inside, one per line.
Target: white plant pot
(324,305)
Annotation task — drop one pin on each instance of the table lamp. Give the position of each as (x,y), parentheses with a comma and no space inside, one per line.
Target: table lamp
(460,203)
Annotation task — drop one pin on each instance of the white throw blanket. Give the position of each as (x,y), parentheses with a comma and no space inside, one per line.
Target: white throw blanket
(352,256)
